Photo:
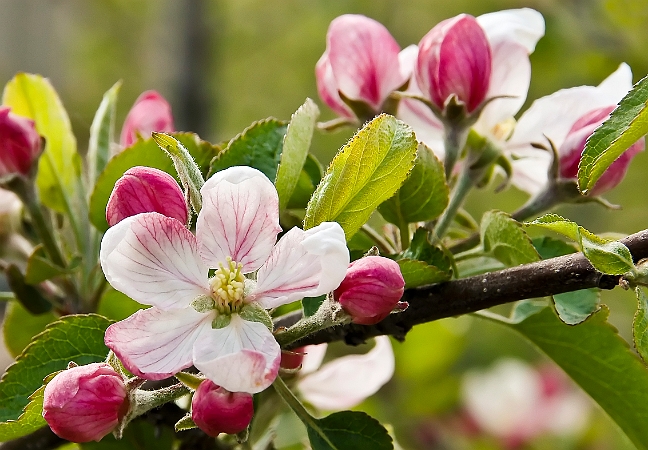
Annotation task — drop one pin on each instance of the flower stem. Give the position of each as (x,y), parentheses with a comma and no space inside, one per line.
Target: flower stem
(382,244)
(454,142)
(461,189)
(329,313)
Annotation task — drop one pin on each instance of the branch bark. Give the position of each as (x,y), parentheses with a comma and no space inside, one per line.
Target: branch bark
(552,276)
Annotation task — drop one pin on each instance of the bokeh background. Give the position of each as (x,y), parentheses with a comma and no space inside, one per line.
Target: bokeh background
(223,64)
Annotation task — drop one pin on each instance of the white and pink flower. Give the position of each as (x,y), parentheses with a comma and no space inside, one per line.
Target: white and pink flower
(566,118)
(363,62)
(500,71)
(216,323)
(346,381)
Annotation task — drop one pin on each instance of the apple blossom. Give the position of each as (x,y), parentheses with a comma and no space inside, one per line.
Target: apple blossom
(215,410)
(85,403)
(151,112)
(516,402)
(371,289)
(566,118)
(145,189)
(346,381)
(511,36)
(20,143)
(363,62)
(217,324)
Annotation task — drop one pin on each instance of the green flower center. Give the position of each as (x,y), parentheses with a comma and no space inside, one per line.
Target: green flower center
(227,287)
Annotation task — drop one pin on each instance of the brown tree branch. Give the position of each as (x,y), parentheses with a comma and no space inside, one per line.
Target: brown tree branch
(552,276)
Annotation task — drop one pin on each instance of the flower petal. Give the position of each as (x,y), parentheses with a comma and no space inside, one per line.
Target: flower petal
(239,218)
(242,357)
(154,260)
(347,381)
(302,264)
(155,344)
(523,26)
(313,357)
(327,88)
(364,59)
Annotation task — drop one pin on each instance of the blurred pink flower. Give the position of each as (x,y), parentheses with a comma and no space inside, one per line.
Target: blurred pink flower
(151,112)
(20,143)
(145,189)
(85,403)
(362,61)
(216,323)
(517,403)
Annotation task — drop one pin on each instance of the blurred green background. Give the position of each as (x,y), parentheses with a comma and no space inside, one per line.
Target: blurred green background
(223,64)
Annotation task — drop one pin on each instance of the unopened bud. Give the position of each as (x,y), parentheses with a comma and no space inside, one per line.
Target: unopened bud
(145,189)
(455,60)
(20,144)
(216,410)
(371,289)
(85,403)
(151,112)
(292,359)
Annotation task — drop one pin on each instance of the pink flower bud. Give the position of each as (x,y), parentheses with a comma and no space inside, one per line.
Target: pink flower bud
(361,62)
(151,112)
(20,144)
(292,359)
(455,59)
(216,410)
(85,403)
(572,148)
(145,189)
(371,289)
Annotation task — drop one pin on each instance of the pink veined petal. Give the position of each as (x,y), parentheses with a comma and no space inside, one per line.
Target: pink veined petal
(523,26)
(242,357)
(530,172)
(407,61)
(327,88)
(347,381)
(364,59)
(313,357)
(510,77)
(155,344)
(302,264)
(154,260)
(239,218)
(426,125)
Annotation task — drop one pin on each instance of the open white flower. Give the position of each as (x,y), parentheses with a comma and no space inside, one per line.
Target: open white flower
(346,381)
(216,323)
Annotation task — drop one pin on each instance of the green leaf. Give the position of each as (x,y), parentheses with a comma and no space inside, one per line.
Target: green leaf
(29,421)
(419,273)
(549,247)
(366,172)
(627,124)
(20,326)
(600,362)
(59,167)
(102,135)
(186,167)
(348,430)
(310,305)
(40,268)
(423,196)
(259,146)
(73,338)
(143,153)
(295,149)
(606,255)
(117,306)
(309,178)
(30,297)
(505,240)
(420,248)
(640,324)
(576,306)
